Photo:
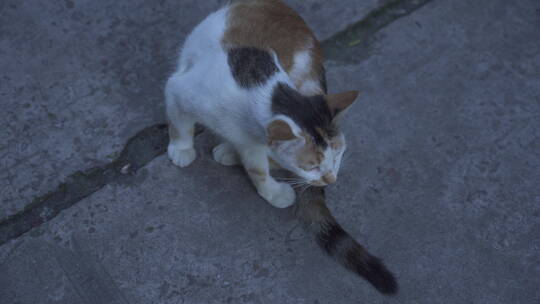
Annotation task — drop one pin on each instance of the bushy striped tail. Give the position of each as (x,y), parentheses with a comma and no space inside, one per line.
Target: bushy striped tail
(337,243)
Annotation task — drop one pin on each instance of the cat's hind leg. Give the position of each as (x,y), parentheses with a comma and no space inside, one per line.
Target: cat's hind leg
(226,154)
(181,128)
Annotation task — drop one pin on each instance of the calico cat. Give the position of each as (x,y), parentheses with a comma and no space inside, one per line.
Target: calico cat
(252,72)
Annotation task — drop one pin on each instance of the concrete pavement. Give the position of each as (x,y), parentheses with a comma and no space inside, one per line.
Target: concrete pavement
(440,179)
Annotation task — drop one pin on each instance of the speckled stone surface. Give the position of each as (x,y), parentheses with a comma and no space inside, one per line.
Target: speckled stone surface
(328,17)
(440,179)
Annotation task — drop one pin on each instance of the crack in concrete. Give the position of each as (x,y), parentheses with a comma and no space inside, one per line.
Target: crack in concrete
(139,151)
(151,142)
(355,43)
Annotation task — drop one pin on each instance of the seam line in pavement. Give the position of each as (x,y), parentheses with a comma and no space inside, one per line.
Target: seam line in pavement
(354,43)
(139,151)
(152,141)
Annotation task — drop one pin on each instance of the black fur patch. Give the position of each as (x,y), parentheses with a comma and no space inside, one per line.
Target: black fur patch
(310,113)
(356,258)
(250,66)
(372,269)
(322,80)
(330,237)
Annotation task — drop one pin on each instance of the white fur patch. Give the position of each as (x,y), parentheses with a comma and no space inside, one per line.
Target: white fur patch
(300,73)
(301,67)
(310,87)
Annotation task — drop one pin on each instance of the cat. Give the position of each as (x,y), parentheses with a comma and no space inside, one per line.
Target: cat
(252,72)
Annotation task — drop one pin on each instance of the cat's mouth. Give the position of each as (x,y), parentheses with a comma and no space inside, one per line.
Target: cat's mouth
(318,183)
(327,179)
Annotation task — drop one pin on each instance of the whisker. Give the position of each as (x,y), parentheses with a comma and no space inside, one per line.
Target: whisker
(347,157)
(307,186)
(296,181)
(293,182)
(288,178)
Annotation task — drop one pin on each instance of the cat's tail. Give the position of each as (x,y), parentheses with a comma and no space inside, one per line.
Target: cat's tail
(337,243)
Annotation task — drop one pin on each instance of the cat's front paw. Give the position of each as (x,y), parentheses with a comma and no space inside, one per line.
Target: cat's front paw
(281,195)
(181,157)
(226,155)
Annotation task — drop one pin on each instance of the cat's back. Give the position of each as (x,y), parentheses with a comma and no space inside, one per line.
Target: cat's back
(272,25)
(268,25)
(205,39)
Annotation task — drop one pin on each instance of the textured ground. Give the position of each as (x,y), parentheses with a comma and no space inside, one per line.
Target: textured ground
(441,179)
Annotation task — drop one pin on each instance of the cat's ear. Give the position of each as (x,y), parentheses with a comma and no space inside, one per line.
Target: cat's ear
(282,128)
(338,103)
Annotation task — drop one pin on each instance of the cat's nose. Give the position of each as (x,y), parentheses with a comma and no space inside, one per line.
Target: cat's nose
(329,178)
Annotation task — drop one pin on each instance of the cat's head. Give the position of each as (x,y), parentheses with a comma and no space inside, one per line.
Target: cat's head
(304,137)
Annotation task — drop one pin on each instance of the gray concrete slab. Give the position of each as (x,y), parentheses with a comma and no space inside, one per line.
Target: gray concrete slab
(440,180)
(79,78)
(446,151)
(327,18)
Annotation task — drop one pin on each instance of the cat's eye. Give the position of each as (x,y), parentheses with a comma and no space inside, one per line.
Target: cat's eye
(336,144)
(320,156)
(312,167)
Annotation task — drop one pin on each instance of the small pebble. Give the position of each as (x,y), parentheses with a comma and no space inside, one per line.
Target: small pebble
(125,169)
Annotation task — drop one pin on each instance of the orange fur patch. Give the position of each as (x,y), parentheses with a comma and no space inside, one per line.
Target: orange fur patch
(336,143)
(279,130)
(257,174)
(310,155)
(329,178)
(272,25)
